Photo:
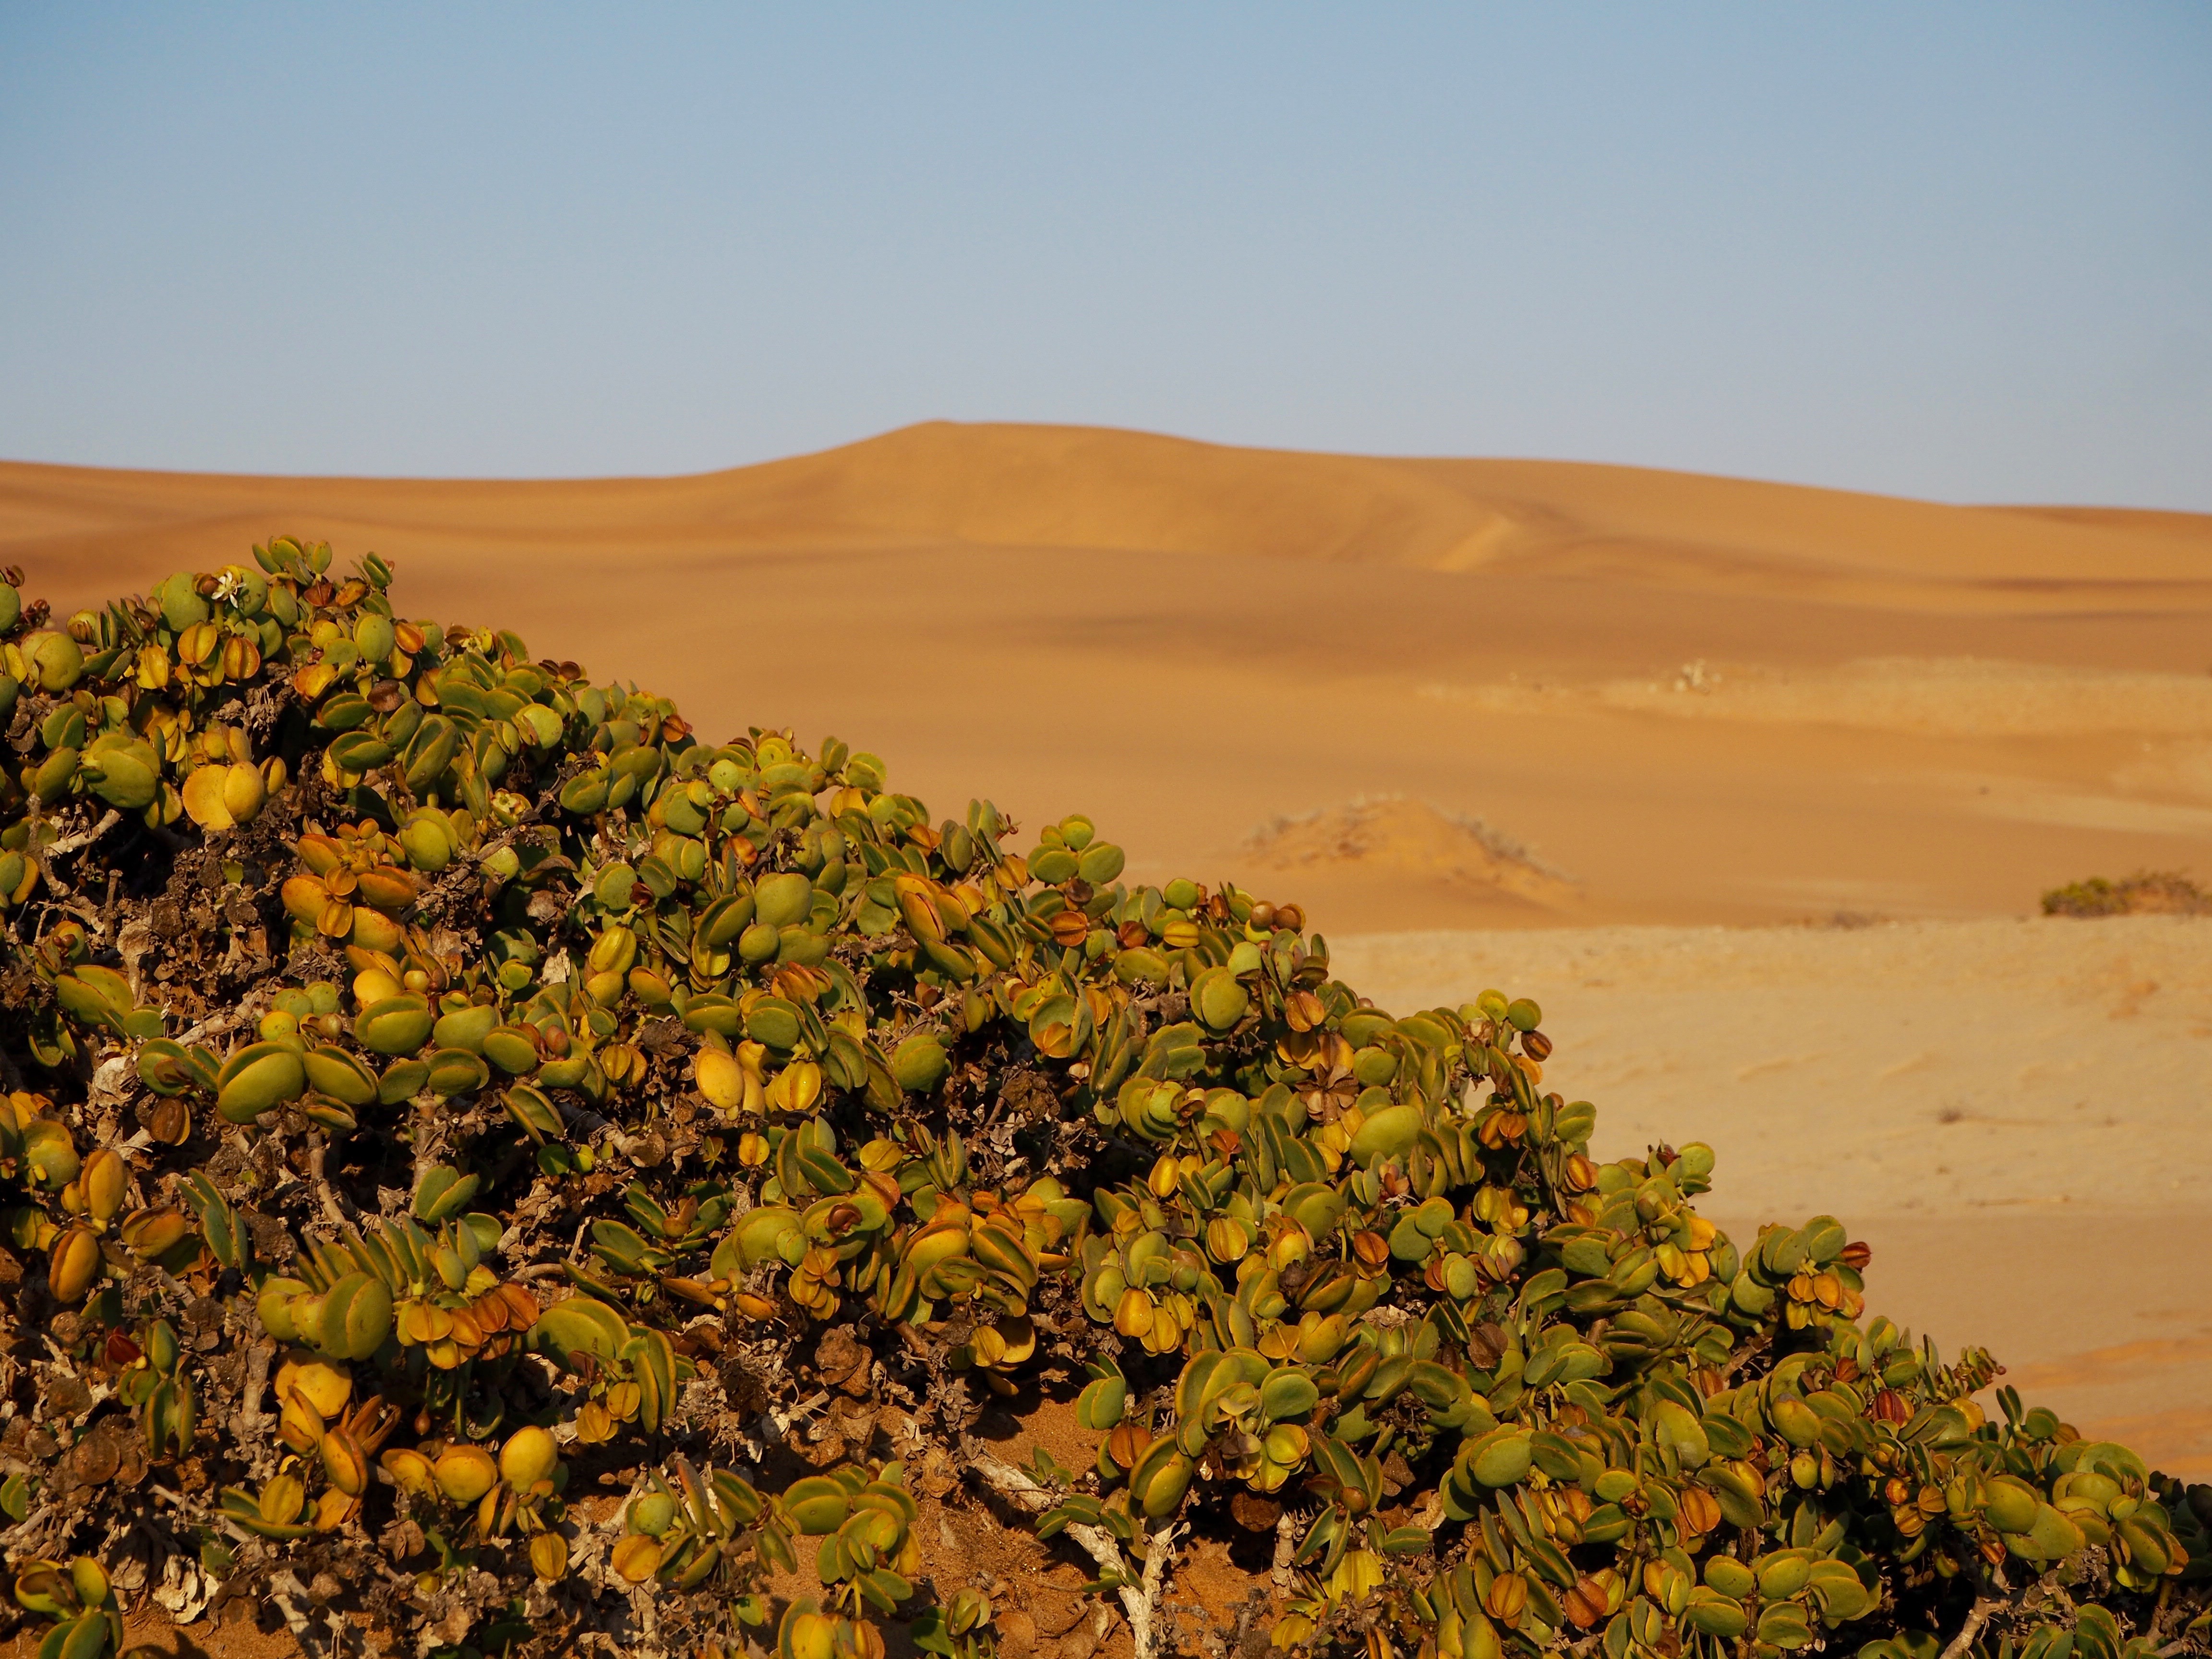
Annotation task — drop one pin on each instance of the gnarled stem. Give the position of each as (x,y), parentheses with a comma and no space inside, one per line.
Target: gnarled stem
(1139,1601)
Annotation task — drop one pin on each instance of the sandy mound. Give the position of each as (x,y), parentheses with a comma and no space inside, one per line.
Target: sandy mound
(1395,862)
(1389,833)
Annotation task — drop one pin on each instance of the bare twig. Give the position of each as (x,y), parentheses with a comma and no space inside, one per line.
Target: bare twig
(1137,1600)
(1157,1555)
(1750,1351)
(215,1025)
(1991,1597)
(333,1210)
(85,837)
(1976,1616)
(250,1415)
(1286,1545)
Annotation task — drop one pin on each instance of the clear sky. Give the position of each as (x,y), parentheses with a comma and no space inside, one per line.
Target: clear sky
(1957,251)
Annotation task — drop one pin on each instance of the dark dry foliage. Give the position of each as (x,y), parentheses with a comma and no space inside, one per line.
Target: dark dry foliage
(2146,893)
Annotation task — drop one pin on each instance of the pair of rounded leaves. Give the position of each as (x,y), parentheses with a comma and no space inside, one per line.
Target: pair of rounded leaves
(333,1072)
(395,1025)
(219,797)
(511,1049)
(783,901)
(55,659)
(720,1078)
(124,772)
(1711,1612)
(1499,1458)
(1212,1374)
(428,841)
(1160,1477)
(529,1458)
(1795,1421)
(465,1027)
(580,1325)
(2011,1505)
(1104,1400)
(1387,1133)
(73,1264)
(1218,999)
(807,1632)
(775,1021)
(920,1064)
(464,1473)
(150,1233)
(277,1513)
(349,1321)
(1097,863)
(444,1192)
(257,1078)
(817,1505)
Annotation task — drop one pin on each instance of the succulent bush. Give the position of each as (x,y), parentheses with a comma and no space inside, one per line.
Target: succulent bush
(2146,892)
(461,1128)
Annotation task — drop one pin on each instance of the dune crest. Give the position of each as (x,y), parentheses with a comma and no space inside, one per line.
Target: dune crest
(998,484)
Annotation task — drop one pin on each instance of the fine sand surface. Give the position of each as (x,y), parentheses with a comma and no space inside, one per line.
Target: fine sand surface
(1645,721)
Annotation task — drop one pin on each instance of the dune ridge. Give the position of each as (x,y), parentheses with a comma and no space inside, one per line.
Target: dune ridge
(1911,707)
(1091,488)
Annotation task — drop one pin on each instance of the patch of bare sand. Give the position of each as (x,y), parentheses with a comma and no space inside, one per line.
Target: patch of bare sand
(1936,696)
(2012,1113)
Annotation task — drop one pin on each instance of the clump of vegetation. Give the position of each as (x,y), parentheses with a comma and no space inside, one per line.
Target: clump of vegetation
(2146,893)
(484,1161)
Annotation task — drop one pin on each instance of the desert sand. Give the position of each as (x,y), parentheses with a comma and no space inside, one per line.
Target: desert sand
(1753,786)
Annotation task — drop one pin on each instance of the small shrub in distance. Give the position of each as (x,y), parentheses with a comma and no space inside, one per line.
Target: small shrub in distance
(2148,892)
(457,1115)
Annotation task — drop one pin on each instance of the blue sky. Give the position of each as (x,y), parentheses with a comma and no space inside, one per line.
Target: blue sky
(1961,252)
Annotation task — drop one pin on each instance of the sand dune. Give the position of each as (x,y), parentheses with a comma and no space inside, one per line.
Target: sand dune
(1917,709)
(1360,858)
(1091,487)
(1433,686)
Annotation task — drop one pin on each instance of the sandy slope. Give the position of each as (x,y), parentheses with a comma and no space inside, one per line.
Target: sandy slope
(1599,696)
